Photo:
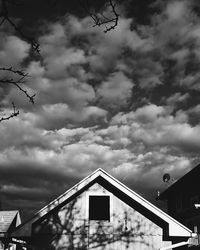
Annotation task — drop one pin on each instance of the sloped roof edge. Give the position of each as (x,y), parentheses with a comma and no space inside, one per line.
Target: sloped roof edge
(7,218)
(175,227)
(179,182)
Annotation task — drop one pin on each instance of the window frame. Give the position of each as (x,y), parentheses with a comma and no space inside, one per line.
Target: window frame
(99,194)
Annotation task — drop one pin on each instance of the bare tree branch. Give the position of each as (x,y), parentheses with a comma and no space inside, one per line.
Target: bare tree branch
(100,19)
(5,17)
(17,82)
(10,69)
(21,75)
(13,114)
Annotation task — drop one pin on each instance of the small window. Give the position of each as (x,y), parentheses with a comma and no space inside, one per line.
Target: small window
(99,207)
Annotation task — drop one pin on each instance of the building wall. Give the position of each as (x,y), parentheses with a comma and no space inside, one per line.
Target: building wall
(70,228)
(182,196)
(180,205)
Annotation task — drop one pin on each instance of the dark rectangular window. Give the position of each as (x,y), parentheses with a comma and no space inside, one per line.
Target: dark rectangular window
(99,207)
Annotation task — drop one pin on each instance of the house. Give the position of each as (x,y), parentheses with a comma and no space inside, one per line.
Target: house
(183,198)
(101,213)
(9,220)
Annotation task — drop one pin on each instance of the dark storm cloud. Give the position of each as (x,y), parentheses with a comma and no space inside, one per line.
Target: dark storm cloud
(27,186)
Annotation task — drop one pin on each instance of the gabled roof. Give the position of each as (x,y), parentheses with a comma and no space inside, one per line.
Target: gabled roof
(174,228)
(8,220)
(191,178)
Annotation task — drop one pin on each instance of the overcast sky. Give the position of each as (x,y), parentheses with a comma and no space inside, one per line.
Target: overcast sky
(126,101)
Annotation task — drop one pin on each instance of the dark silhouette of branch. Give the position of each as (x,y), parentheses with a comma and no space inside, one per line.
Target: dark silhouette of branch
(5,17)
(17,83)
(10,69)
(13,114)
(98,17)
(101,19)
(16,73)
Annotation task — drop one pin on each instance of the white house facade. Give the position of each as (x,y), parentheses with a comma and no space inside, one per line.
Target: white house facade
(102,213)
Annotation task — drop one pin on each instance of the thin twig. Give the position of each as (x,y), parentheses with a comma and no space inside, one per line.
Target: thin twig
(100,19)
(13,114)
(16,83)
(30,40)
(10,69)
(5,17)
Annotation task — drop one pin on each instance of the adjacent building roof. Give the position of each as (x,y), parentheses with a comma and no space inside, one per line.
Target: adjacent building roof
(174,228)
(8,221)
(188,181)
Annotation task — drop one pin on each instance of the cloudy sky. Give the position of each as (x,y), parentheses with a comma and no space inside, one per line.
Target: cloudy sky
(126,101)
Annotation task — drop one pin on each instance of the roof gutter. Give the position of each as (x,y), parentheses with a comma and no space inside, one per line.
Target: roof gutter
(193,241)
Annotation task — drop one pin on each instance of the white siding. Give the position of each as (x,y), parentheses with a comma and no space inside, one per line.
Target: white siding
(71,229)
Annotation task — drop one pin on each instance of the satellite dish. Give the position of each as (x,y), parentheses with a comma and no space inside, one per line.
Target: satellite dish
(166,177)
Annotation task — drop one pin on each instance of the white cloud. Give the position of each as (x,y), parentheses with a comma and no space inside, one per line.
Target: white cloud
(57,63)
(13,50)
(176,99)
(176,10)
(60,113)
(149,113)
(116,90)
(155,126)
